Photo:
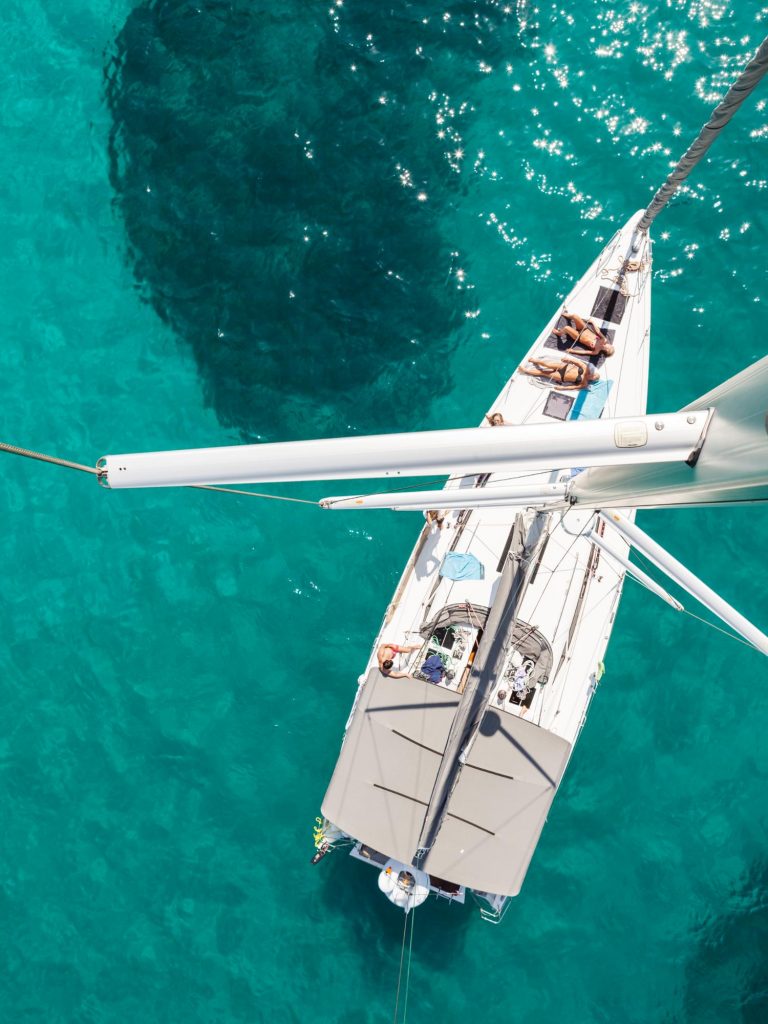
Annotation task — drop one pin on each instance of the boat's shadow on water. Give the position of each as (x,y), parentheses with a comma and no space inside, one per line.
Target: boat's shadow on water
(350,890)
(281,185)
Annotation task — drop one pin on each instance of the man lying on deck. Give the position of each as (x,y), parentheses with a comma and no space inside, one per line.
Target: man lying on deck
(567,373)
(586,334)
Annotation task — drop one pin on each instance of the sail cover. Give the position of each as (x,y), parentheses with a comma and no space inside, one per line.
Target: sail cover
(732,466)
(399,784)
(499,805)
(392,750)
(381,788)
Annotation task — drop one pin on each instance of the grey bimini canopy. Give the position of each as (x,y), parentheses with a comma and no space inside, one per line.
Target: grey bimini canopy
(380,790)
(385,779)
(499,805)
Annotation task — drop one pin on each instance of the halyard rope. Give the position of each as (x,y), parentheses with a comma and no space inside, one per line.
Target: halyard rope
(619,277)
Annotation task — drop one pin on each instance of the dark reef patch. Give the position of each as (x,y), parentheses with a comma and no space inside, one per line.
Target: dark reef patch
(728,970)
(257,159)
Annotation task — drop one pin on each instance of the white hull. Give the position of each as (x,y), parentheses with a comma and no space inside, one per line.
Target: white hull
(573,598)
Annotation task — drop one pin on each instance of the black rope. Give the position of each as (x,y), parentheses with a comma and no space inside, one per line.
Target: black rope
(748,79)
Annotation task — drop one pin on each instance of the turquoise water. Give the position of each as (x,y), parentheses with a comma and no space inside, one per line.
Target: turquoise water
(234,220)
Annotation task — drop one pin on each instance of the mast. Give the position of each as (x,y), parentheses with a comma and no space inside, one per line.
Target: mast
(490,657)
(721,115)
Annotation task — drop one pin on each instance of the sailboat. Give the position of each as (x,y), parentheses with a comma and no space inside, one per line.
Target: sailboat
(489,654)
(499,625)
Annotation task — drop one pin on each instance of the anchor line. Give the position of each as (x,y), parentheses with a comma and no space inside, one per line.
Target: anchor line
(408,967)
(408,974)
(742,88)
(400,972)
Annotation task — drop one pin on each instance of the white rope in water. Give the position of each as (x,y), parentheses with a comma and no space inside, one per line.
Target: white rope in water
(408,972)
(408,975)
(400,973)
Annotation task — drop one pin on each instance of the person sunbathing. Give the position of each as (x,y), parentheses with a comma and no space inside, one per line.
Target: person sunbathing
(586,335)
(385,656)
(567,373)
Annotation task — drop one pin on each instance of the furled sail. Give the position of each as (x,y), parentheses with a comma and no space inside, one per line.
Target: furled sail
(732,466)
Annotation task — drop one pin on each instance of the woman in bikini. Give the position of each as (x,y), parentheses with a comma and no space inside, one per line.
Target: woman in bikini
(586,334)
(385,656)
(567,373)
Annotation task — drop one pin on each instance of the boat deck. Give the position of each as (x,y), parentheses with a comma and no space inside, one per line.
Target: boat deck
(572,585)
(574,581)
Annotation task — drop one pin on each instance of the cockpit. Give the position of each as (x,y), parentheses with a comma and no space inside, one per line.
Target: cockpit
(527,665)
(452,638)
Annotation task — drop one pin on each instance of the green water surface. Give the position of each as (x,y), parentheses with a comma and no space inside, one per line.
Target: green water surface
(225,221)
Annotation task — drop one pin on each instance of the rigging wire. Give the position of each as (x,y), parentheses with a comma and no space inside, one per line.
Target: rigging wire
(12,449)
(649,566)
(721,630)
(699,618)
(252,494)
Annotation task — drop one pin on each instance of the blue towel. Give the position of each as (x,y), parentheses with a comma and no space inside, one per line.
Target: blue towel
(591,401)
(458,566)
(433,669)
